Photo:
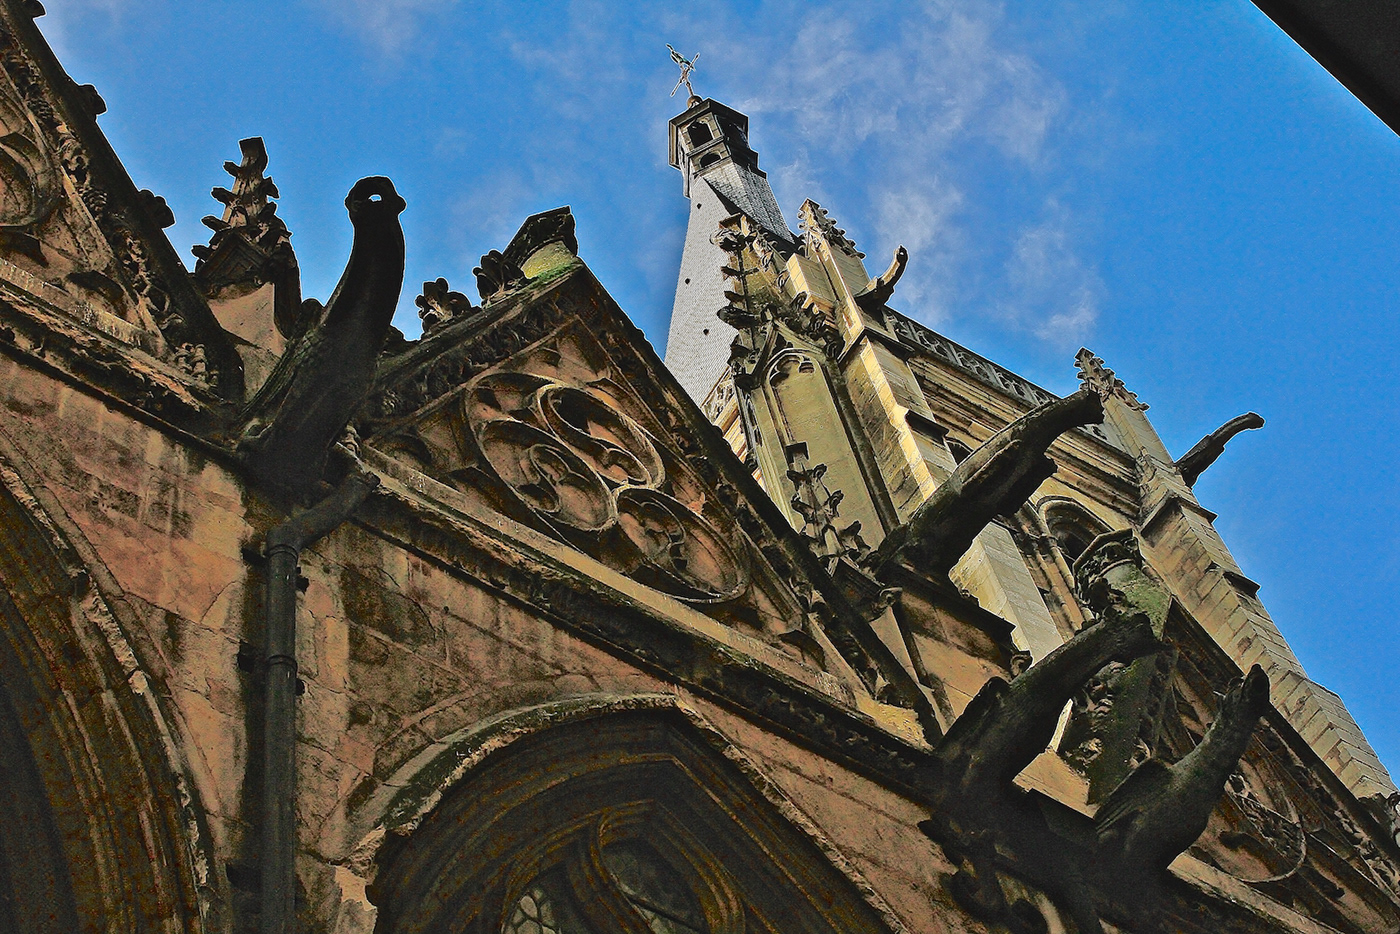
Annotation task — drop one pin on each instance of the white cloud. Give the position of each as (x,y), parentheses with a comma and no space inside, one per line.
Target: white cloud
(922,217)
(389,26)
(909,122)
(1051,290)
(64,18)
(893,117)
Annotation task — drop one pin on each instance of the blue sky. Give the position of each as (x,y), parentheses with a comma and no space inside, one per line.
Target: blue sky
(1176,186)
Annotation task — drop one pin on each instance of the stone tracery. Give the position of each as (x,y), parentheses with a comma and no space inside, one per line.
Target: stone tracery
(600,480)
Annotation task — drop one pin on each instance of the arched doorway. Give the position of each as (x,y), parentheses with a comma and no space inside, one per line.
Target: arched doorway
(618,821)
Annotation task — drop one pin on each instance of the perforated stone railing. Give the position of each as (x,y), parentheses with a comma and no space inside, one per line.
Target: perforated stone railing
(980,368)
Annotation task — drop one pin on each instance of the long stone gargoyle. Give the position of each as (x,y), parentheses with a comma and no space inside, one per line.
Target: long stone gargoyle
(1195,461)
(993,480)
(321,379)
(1008,724)
(1159,810)
(879,289)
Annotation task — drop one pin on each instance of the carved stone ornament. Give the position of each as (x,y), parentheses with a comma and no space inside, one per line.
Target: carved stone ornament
(439,304)
(814,218)
(29,185)
(600,480)
(1100,378)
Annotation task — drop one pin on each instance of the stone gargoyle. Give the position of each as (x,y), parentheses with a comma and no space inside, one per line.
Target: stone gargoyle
(1204,453)
(322,378)
(993,480)
(1003,728)
(1007,724)
(1159,810)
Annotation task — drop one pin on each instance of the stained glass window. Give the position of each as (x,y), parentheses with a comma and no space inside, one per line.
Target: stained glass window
(534,913)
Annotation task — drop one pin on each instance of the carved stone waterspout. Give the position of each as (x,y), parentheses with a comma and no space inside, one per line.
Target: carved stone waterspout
(1006,725)
(319,382)
(1159,810)
(1194,462)
(994,480)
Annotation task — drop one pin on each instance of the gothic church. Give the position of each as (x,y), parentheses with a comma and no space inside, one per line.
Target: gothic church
(831,626)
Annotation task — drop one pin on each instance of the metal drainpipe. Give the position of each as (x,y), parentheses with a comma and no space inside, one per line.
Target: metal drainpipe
(283,552)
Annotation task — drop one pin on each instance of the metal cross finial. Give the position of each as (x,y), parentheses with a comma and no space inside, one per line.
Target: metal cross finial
(687,66)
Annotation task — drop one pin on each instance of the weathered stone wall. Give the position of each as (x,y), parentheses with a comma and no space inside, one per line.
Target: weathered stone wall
(398,651)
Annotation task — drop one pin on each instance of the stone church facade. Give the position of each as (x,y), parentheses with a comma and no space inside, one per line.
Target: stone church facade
(510,629)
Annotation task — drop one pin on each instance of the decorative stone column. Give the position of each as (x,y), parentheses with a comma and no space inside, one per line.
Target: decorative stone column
(1116,720)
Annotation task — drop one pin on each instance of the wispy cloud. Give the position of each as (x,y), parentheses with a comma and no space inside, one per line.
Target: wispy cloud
(902,120)
(387,26)
(1051,290)
(930,125)
(64,18)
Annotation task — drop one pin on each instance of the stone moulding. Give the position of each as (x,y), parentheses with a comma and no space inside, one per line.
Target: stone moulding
(411,384)
(145,824)
(419,790)
(120,211)
(655,642)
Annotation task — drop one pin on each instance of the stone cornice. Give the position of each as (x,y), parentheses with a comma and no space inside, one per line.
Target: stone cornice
(916,338)
(435,522)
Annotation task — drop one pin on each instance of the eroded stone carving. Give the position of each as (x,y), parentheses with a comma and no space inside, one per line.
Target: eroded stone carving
(1116,721)
(250,244)
(439,304)
(1010,723)
(1159,810)
(820,508)
(496,275)
(813,218)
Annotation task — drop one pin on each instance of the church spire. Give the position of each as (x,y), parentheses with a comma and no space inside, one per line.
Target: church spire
(709,144)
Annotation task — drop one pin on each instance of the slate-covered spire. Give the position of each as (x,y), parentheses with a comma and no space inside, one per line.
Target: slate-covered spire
(709,144)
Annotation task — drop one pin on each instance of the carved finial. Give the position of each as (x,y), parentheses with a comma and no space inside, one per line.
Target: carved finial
(687,65)
(1100,378)
(496,275)
(814,219)
(247,206)
(251,245)
(438,304)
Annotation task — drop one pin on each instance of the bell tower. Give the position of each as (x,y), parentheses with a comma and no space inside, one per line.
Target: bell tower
(709,144)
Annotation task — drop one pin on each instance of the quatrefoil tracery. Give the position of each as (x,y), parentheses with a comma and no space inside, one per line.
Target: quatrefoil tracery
(600,480)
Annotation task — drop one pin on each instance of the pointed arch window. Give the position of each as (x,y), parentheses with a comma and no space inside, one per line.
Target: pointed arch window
(1072,528)
(638,883)
(629,823)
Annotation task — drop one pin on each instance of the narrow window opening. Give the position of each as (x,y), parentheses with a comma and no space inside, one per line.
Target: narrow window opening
(699,134)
